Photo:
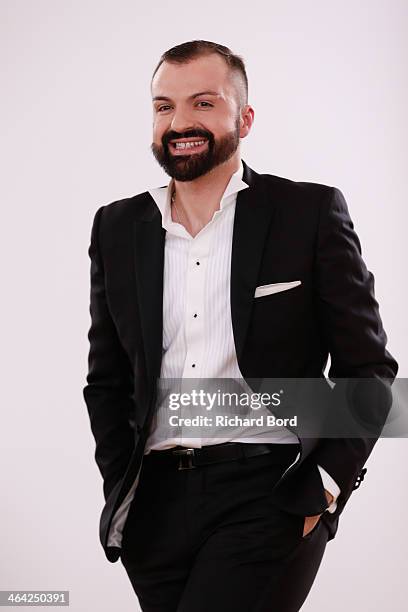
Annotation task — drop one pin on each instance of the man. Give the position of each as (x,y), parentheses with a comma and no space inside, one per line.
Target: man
(223,274)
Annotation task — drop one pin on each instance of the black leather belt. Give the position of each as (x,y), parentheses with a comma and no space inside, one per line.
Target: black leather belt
(188,458)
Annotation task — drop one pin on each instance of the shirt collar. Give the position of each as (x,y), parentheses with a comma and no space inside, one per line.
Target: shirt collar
(162,195)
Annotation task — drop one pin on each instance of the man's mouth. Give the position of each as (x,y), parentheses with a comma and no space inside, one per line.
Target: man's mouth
(182,146)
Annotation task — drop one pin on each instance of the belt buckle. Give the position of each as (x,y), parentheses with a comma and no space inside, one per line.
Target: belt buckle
(185,453)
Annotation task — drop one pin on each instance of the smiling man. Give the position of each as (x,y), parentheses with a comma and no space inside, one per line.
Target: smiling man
(222,274)
(200,115)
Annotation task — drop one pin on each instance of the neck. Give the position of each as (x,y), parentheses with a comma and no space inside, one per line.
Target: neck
(199,199)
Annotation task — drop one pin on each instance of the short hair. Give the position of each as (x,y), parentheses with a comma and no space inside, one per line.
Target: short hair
(183,53)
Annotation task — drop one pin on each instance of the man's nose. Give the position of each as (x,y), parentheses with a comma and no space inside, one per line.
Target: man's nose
(182,121)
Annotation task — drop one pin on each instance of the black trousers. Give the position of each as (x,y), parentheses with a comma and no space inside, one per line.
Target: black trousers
(211,539)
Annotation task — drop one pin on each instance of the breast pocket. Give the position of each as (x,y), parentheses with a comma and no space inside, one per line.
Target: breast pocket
(263,290)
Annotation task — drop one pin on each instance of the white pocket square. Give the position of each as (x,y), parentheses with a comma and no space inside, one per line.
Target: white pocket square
(275,287)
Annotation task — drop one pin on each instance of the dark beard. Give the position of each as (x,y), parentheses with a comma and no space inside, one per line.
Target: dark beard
(191,166)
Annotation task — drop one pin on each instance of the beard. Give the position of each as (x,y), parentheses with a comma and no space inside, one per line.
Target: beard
(192,165)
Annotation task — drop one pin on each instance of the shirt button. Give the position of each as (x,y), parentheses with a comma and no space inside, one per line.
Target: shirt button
(193,365)
(197,263)
(195,315)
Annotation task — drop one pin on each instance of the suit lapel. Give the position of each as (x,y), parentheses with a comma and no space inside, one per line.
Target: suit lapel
(148,243)
(253,215)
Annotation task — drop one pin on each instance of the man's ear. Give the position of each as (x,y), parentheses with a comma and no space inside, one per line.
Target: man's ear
(247,115)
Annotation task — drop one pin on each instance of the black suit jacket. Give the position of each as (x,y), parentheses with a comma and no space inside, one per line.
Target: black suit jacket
(283,230)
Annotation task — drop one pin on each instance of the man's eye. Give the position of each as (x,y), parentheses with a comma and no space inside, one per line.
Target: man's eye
(160,108)
(203,102)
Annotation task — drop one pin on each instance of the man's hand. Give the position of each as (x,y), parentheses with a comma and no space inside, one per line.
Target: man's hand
(311,521)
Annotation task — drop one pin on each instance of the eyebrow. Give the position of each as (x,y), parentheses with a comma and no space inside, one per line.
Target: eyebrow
(196,95)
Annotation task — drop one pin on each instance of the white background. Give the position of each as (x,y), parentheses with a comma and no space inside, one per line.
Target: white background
(328,82)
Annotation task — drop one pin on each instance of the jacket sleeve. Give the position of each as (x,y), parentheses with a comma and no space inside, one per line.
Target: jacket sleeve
(353,331)
(109,389)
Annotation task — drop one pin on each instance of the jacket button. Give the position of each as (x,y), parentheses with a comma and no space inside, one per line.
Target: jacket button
(360,478)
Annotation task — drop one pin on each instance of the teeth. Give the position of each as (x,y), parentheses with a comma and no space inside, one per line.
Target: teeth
(189,145)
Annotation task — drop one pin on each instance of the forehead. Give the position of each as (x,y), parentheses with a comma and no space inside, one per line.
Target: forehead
(204,73)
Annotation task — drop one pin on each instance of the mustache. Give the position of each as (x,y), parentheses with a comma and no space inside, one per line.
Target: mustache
(171,135)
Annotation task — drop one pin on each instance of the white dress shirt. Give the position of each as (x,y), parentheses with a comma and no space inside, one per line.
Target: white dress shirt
(198,340)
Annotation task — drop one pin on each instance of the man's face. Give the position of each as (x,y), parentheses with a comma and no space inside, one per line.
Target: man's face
(196,118)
